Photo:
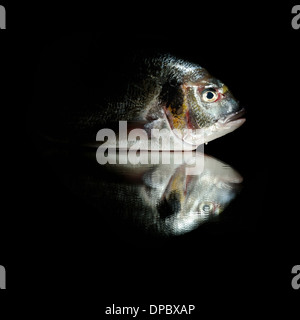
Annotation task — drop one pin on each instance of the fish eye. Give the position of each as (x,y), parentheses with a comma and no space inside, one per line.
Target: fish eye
(206,208)
(209,95)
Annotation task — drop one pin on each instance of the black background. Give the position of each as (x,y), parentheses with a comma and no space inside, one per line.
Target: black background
(53,245)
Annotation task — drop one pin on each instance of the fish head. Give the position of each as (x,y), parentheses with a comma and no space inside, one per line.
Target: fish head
(207,108)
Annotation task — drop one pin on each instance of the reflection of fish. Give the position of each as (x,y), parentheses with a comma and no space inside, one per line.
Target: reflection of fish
(157,199)
(182,202)
(152,91)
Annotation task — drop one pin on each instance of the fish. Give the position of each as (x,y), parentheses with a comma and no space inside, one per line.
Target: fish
(179,100)
(155,92)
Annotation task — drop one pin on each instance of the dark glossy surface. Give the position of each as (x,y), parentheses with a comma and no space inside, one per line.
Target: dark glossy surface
(54,241)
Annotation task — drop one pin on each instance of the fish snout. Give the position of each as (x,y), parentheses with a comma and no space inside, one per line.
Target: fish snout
(229,104)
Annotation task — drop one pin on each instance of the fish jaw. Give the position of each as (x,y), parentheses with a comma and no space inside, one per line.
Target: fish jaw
(220,129)
(225,125)
(197,136)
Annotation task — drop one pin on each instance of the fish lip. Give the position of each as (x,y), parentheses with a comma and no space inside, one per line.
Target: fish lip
(233,116)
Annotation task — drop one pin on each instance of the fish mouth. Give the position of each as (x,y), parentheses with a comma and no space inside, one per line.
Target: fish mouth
(233,116)
(198,136)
